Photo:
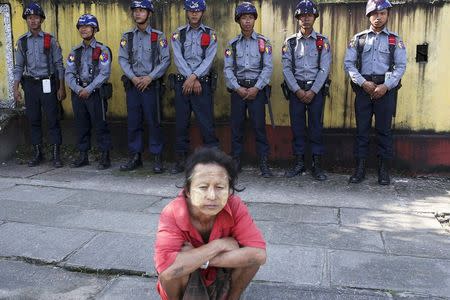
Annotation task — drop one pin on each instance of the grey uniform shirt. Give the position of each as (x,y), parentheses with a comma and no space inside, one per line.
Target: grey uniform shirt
(141,62)
(375,58)
(193,62)
(306,61)
(37,59)
(248,61)
(87,73)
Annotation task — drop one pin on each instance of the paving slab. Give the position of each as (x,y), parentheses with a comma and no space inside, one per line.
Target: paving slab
(390,221)
(326,236)
(115,251)
(157,207)
(12,169)
(270,291)
(133,288)
(418,244)
(114,221)
(41,194)
(293,213)
(69,174)
(293,264)
(6,185)
(47,244)
(35,212)
(110,201)
(396,273)
(19,280)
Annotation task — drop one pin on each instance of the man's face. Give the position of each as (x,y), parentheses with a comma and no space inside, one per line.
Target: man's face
(194,17)
(34,22)
(86,32)
(378,19)
(209,190)
(247,22)
(140,15)
(306,21)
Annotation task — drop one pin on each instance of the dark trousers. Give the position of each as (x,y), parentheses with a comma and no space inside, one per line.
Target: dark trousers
(203,108)
(35,101)
(383,109)
(140,106)
(297,112)
(257,111)
(90,113)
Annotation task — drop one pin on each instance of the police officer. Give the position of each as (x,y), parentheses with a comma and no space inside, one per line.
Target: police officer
(375,61)
(39,68)
(247,68)
(306,65)
(144,57)
(88,68)
(194,48)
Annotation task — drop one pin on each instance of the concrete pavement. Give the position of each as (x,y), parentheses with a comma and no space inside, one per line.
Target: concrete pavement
(88,234)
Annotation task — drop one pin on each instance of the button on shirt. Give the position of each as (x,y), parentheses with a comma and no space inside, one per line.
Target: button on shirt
(248,60)
(94,77)
(193,62)
(375,58)
(37,59)
(306,61)
(141,64)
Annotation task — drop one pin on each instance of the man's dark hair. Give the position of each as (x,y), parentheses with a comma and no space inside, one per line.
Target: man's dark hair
(211,156)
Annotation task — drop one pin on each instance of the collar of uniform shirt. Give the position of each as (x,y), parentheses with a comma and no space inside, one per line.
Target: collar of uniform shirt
(313,35)
(253,36)
(41,33)
(202,27)
(92,44)
(385,30)
(148,29)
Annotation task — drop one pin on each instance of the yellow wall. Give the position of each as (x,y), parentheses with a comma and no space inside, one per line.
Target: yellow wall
(423,102)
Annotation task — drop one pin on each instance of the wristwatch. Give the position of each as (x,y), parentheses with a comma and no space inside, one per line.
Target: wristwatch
(205,265)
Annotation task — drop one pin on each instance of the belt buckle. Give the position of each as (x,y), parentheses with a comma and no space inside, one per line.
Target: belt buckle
(248,82)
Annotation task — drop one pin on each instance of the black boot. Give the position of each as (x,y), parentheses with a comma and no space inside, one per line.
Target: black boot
(383,172)
(38,156)
(264,167)
(179,164)
(298,168)
(157,164)
(237,164)
(134,163)
(82,160)
(105,161)
(56,157)
(317,171)
(360,172)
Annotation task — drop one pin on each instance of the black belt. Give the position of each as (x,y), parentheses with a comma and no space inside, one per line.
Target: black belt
(247,83)
(305,85)
(377,79)
(182,78)
(31,78)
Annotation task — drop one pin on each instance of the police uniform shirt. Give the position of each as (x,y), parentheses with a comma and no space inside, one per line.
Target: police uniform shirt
(192,62)
(248,60)
(306,61)
(37,59)
(142,52)
(93,77)
(375,58)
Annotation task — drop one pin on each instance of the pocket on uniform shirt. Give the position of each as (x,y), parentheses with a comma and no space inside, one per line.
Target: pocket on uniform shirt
(384,55)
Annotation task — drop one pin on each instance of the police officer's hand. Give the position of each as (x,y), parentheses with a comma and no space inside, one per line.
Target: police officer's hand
(369,87)
(251,93)
(188,85)
(83,94)
(309,96)
(197,88)
(17,95)
(136,80)
(144,83)
(242,92)
(300,94)
(61,94)
(379,91)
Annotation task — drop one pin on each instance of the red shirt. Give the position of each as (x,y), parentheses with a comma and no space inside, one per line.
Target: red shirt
(175,229)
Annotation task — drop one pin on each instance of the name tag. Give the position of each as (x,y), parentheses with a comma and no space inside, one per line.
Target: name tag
(46,86)
(387,76)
